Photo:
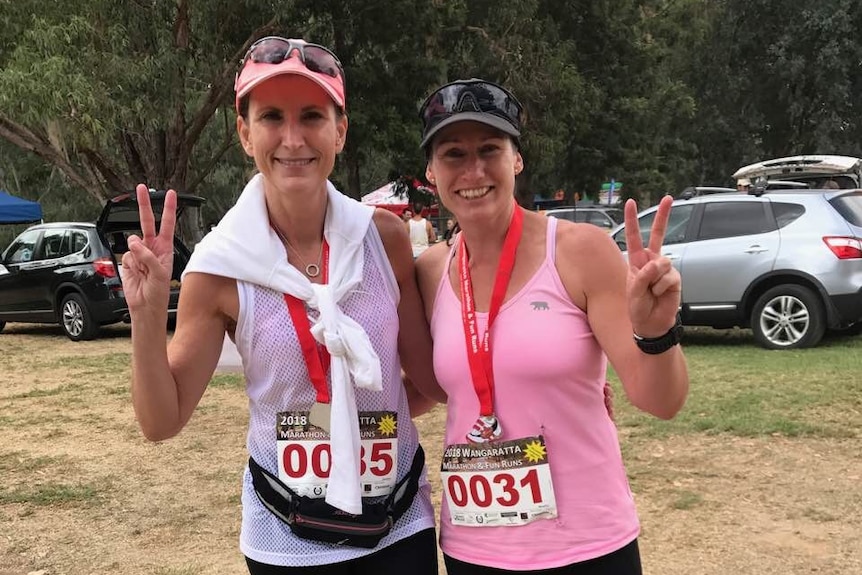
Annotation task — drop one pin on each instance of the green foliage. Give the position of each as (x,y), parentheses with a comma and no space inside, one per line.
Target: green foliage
(660,94)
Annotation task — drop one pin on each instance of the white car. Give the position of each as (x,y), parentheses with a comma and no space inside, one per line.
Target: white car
(813,171)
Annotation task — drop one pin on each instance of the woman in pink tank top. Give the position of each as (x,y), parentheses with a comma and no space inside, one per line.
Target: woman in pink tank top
(525,312)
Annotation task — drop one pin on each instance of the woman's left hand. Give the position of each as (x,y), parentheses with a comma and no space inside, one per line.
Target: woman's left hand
(653,286)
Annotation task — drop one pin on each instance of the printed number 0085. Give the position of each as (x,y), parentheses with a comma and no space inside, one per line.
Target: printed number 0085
(297,460)
(478,488)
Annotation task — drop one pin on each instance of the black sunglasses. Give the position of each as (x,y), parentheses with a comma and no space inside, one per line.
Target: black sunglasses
(470,96)
(275,50)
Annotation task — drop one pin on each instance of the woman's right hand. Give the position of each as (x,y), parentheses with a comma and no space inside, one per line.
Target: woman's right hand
(148,264)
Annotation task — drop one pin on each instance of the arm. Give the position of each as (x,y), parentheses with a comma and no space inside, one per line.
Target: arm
(414,339)
(642,299)
(432,237)
(166,387)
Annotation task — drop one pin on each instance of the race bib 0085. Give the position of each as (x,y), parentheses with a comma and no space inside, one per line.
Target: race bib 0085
(305,460)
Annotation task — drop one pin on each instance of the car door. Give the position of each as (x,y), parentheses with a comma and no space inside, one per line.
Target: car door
(674,245)
(18,264)
(38,284)
(734,243)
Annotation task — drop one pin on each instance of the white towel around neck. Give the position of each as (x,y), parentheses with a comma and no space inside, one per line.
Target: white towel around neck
(245,247)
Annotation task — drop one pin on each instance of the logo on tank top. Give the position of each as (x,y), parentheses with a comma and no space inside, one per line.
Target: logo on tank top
(540,305)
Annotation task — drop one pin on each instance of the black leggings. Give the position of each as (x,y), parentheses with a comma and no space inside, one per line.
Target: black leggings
(625,561)
(415,555)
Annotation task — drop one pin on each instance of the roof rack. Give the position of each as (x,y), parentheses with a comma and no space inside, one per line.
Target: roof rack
(694,191)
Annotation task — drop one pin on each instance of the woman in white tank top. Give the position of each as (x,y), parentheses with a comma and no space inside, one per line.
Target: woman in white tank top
(285,274)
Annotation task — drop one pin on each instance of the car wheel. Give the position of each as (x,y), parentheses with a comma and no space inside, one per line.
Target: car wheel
(75,318)
(788,317)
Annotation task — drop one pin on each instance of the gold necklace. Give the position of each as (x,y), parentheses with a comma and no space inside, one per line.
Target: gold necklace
(311,270)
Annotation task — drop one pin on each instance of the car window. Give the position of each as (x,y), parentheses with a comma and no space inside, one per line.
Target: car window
(562,215)
(22,250)
(52,245)
(850,207)
(730,219)
(77,241)
(786,213)
(600,219)
(676,226)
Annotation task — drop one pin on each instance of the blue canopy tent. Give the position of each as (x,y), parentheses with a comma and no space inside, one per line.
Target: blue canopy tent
(17,211)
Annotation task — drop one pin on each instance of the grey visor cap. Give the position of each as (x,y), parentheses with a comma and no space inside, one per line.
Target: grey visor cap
(481,117)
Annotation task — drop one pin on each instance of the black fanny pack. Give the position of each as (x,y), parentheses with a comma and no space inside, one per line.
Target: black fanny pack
(317,520)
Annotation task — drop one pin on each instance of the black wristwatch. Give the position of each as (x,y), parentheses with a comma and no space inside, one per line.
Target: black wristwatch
(657,345)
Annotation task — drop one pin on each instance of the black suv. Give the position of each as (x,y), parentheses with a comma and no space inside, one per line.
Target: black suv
(71,273)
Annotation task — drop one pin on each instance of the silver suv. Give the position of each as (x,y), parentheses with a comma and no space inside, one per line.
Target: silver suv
(786,263)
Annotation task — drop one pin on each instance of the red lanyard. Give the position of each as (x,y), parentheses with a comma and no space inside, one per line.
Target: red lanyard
(316,355)
(479,351)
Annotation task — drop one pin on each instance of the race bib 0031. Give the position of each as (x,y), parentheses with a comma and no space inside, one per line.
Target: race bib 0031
(498,483)
(305,460)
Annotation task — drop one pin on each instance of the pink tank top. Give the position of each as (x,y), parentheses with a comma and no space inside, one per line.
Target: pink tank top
(549,375)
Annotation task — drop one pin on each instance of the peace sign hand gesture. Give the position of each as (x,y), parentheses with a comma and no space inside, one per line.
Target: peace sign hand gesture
(654,286)
(148,264)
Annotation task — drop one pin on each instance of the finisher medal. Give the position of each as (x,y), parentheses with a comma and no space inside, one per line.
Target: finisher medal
(487,428)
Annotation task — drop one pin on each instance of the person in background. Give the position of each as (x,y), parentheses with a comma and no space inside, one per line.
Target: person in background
(743,185)
(421,231)
(525,313)
(319,294)
(450,230)
(406,214)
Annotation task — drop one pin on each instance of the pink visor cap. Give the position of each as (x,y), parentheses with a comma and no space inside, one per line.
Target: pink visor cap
(253,74)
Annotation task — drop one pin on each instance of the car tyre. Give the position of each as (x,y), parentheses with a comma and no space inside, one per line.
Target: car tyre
(75,318)
(788,317)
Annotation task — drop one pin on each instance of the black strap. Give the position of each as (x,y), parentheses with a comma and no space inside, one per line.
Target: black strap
(282,501)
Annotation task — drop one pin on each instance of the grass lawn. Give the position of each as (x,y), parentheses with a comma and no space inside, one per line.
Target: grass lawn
(760,473)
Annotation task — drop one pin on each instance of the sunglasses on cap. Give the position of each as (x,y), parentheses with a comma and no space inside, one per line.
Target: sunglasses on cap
(474,99)
(275,50)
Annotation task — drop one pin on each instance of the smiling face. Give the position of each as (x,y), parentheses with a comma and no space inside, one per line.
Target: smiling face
(474,167)
(293,131)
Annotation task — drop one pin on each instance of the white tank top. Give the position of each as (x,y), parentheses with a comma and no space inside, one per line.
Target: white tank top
(277,380)
(418,236)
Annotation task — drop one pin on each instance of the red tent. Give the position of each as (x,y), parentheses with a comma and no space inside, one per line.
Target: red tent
(385,197)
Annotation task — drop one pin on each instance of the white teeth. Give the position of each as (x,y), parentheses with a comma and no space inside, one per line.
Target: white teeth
(294,163)
(473,193)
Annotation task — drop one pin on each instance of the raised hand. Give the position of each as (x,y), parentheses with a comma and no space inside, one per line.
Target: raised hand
(148,264)
(654,286)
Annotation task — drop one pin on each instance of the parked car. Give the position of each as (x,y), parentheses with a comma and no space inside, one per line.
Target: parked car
(786,263)
(606,217)
(70,273)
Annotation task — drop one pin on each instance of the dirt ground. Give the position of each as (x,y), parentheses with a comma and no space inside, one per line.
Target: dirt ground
(82,493)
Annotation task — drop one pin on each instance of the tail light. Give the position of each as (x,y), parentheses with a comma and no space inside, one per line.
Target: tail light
(844,247)
(105,267)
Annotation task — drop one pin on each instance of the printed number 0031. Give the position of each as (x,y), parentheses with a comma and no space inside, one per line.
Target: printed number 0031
(296,460)
(479,489)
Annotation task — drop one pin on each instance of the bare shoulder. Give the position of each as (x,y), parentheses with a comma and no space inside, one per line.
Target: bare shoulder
(395,241)
(430,264)
(584,243)
(430,267)
(388,224)
(588,261)
(207,296)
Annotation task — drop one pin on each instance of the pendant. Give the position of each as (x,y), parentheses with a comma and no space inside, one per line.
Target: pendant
(320,415)
(487,428)
(312,270)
